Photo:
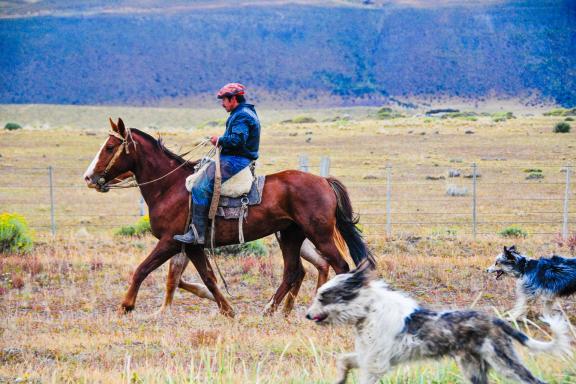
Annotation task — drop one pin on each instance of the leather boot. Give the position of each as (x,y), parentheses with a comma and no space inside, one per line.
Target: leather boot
(195,234)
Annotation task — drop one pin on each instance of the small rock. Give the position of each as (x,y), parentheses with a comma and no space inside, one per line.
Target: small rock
(469,132)
(293,134)
(370,177)
(308,139)
(82,233)
(435,178)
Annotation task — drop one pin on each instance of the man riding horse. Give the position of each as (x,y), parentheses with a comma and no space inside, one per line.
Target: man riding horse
(239,147)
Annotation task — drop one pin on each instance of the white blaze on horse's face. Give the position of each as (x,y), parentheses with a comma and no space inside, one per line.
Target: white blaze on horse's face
(90,170)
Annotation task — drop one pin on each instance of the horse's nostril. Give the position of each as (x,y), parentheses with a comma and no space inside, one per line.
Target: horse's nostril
(308,316)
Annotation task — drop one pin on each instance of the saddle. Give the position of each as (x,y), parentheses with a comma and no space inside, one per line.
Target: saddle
(236,195)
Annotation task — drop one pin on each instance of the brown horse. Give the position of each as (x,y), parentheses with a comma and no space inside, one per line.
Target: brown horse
(296,204)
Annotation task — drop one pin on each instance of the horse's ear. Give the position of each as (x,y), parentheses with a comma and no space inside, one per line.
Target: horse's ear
(121,128)
(113,125)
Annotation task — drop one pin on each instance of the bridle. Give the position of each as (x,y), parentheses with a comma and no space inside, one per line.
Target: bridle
(132,182)
(124,146)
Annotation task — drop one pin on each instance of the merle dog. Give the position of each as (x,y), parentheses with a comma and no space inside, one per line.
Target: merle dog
(392,328)
(545,278)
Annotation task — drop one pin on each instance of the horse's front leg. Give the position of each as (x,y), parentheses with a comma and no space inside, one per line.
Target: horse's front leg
(165,249)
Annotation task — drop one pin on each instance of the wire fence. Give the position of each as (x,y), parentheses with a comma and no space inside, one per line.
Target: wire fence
(391,199)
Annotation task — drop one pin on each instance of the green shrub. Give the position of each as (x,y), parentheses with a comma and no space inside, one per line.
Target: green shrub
(513,231)
(386,113)
(569,119)
(252,248)
(502,116)
(470,116)
(534,174)
(303,120)
(12,126)
(562,127)
(139,229)
(15,236)
(561,112)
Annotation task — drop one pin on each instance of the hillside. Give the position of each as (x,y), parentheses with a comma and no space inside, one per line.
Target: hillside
(328,53)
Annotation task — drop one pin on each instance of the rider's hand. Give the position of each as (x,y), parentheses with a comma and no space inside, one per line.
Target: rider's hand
(214,140)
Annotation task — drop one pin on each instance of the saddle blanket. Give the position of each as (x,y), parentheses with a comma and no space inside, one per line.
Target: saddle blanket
(231,208)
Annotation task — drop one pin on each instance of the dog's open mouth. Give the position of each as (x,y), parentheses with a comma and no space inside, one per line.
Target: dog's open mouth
(319,318)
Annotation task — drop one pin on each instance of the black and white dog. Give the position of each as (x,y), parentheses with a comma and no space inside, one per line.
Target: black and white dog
(392,328)
(545,278)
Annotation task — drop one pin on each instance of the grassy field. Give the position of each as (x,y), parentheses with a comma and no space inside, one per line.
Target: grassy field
(59,322)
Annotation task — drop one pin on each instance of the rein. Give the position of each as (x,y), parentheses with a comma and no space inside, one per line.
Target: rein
(132,182)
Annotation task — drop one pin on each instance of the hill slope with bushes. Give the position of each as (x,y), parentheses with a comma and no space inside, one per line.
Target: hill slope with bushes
(317,54)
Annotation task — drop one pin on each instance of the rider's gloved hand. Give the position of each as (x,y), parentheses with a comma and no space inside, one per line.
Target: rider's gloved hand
(214,140)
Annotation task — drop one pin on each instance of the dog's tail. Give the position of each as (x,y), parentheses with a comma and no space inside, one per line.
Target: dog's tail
(559,345)
(346,222)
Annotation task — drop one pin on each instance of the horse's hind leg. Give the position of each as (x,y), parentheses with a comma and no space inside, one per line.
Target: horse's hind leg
(326,245)
(174,280)
(164,250)
(177,266)
(290,243)
(200,261)
(309,253)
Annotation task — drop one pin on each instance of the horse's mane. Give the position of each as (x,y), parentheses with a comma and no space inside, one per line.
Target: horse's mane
(160,144)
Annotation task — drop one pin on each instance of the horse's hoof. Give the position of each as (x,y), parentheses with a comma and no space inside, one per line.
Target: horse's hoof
(229,313)
(269,309)
(125,309)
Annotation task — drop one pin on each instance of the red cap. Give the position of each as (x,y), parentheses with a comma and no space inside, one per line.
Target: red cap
(231,89)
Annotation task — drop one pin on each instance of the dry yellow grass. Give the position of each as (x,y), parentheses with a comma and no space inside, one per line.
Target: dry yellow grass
(62,325)
(58,305)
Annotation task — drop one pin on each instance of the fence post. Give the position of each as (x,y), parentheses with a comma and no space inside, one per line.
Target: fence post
(51,183)
(474,197)
(566,200)
(325,166)
(388,200)
(303,160)
(142,206)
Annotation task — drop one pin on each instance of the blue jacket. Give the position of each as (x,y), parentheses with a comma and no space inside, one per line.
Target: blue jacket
(242,135)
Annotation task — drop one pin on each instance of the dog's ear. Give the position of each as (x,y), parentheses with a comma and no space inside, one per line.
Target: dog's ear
(508,252)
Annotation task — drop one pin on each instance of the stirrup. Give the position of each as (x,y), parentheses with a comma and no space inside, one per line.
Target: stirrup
(190,237)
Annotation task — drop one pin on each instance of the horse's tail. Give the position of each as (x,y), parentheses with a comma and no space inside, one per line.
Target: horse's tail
(346,222)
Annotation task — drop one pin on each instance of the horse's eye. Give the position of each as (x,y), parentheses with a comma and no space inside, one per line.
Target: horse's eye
(109,148)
